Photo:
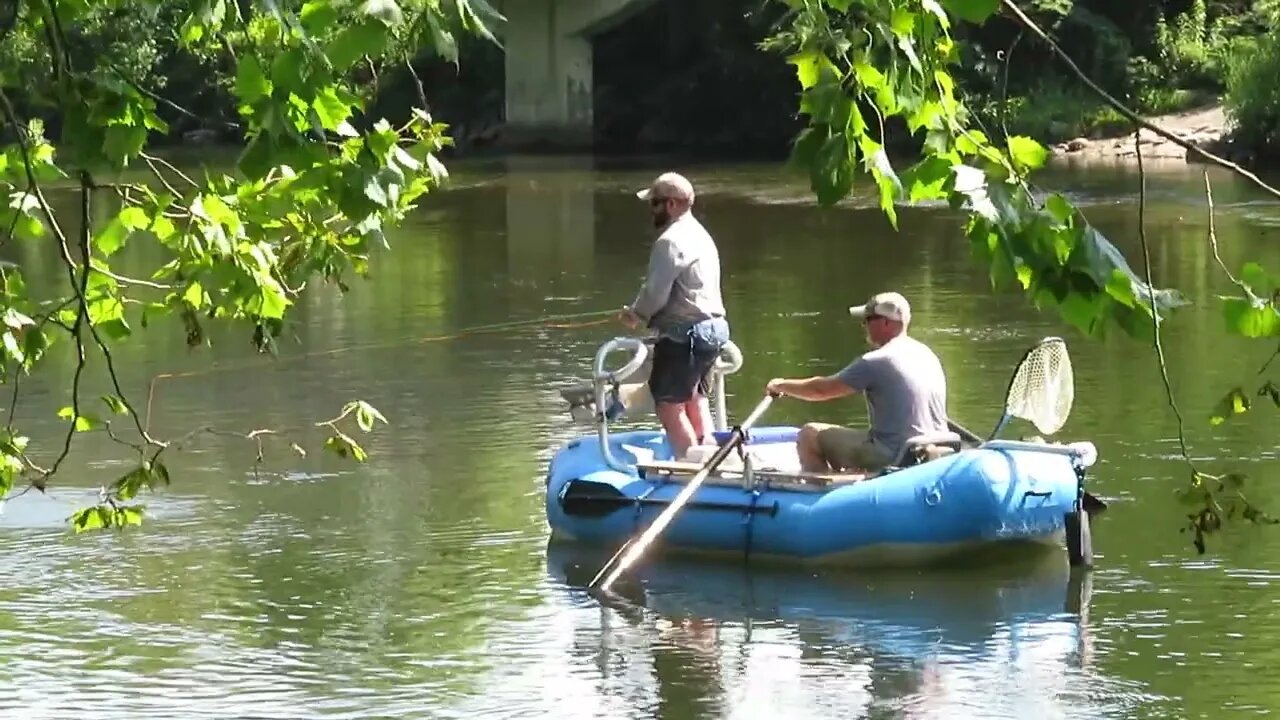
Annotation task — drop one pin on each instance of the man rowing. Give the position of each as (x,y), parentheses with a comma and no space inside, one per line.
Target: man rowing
(681,300)
(902,380)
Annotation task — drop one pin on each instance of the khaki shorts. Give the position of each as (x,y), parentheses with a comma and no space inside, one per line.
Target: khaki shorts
(849,449)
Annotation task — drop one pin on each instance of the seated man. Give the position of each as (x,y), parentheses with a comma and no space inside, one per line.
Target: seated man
(904,384)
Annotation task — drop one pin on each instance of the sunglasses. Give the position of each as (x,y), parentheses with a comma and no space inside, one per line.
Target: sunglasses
(655,202)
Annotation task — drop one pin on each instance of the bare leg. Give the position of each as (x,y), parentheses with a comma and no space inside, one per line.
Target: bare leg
(810,452)
(698,410)
(676,424)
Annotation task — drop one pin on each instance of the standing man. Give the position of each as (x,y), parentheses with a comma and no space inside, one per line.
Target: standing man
(681,300)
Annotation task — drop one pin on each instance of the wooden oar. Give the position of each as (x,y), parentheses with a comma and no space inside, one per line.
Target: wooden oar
(631,551)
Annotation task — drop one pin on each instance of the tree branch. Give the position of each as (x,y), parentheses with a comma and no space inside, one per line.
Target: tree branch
(165,101)
(123,280)
(1151,298)
(1129,114)
(154,159)
(1213,238)
(82,312)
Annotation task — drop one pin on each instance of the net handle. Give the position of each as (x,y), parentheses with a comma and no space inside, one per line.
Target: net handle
(1007,414)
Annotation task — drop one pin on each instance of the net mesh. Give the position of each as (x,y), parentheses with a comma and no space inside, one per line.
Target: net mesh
(1043,387)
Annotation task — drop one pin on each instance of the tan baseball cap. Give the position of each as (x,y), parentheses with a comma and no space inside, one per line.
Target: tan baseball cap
(668,185)
(887,304)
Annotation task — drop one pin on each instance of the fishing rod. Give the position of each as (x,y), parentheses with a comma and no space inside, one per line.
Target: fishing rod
(562,321)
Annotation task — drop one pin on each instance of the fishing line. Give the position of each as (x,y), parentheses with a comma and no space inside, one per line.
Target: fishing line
(556,322)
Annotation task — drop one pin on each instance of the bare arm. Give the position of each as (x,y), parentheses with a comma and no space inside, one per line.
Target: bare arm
(813,389)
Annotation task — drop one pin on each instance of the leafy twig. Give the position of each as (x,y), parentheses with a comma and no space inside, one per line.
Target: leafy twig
(1155,314)
(170,166)
(160,176)
(1004,85)
(123,280)
(1213,238)
(165,101)
(81,288)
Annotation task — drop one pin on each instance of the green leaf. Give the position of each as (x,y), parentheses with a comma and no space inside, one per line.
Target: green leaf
(443,41)
(330,109)
(124,141)
(194,295)
(1059,208)
(159,473)
(12,347)
(129,484)
(1251,318)
(366,414)
(388,11)
(1027,154)
(257,159)
(273,302)
(974,11)
(353,42)
(902,21)
(375,192)
(1233,403)
(92,518)
(318,16)
(808,67)
(1258,279)
(1120,288)
(343,446)
(832,174)
(111,238)
(933,7)
(83,422)
(251,83)
(116,404)
(927,179)
(16,320)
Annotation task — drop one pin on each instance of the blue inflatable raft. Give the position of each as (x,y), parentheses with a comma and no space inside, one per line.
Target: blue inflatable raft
(605,489)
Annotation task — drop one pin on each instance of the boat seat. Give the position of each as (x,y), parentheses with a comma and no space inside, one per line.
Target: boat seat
(780,479)
(927,446)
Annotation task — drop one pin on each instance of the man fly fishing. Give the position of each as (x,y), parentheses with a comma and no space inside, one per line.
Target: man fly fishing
(680,300)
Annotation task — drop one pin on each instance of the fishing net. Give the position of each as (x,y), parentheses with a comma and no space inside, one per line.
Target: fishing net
(1043,387)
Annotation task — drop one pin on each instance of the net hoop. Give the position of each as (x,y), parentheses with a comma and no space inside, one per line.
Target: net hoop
(1042,389)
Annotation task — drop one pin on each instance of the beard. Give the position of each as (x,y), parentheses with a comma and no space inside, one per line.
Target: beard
(661,218)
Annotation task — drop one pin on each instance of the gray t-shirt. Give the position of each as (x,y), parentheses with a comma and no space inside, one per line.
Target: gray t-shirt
(683,284)
(905,387)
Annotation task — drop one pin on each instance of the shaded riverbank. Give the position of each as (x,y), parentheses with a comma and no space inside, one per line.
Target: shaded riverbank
(1206,127)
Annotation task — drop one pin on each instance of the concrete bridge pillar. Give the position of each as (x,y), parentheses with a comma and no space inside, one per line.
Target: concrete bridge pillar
(549,66)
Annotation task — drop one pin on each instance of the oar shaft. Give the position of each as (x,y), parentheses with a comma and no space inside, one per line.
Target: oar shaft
(633,551)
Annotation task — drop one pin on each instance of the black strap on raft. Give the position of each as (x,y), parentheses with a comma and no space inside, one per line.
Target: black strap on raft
(1079,538)
(749,521)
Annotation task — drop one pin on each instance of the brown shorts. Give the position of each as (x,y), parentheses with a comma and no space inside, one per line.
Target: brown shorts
(849,449)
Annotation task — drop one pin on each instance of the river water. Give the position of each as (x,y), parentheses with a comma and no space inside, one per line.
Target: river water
(420,584)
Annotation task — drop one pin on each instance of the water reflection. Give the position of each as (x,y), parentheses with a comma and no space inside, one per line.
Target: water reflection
(551,218)
(1008,642)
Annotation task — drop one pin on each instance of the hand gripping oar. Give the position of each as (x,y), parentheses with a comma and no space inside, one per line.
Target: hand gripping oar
(632,550)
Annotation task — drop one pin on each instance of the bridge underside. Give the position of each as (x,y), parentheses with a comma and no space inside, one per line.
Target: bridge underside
(549,67)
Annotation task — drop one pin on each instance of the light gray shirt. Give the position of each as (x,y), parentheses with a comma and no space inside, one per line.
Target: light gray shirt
(683,282)
(906,390)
